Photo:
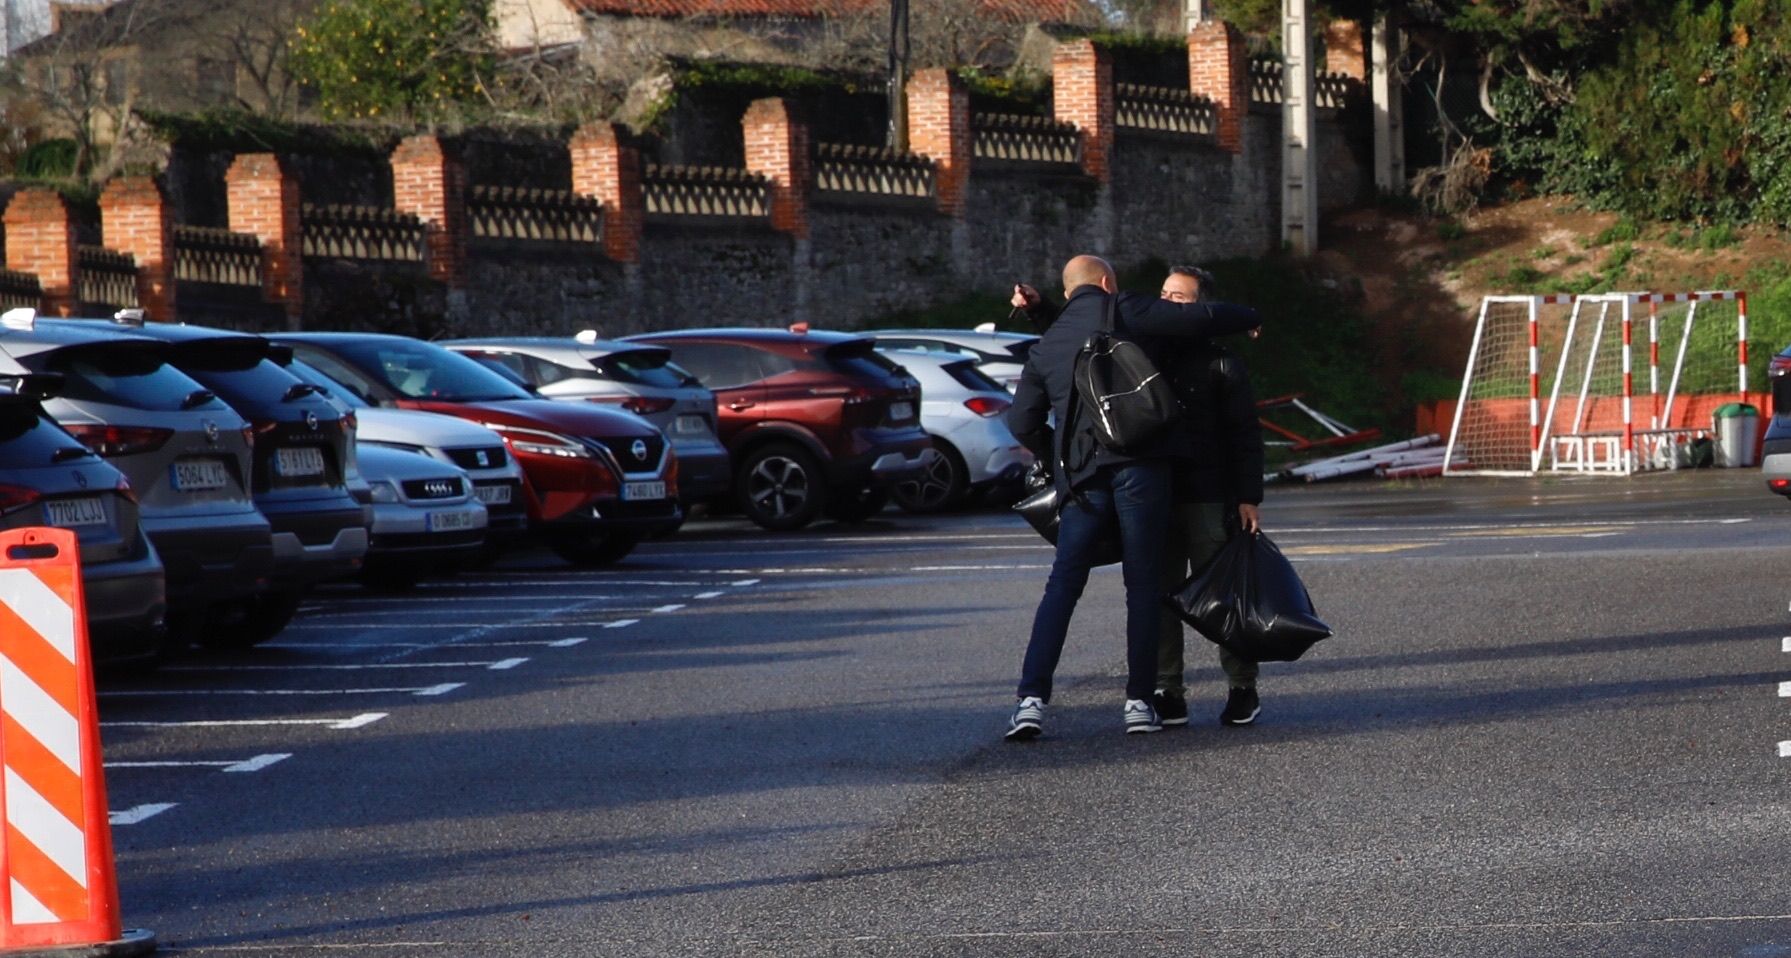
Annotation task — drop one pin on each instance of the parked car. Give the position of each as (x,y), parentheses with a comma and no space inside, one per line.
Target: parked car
(48,478)
(816,422)
(187,455)
(599,479)
(637,377)
(426,519)
(1001,355)
(303,451)
(963,410)
(1775,453)
(469,447)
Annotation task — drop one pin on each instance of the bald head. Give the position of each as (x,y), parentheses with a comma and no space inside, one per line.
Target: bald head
(1086,270)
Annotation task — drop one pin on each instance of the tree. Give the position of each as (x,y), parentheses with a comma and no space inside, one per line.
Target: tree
(413,59)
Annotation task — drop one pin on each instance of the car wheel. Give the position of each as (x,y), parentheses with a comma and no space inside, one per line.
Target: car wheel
(857,505)
(779,487)
(250,622)
(939,487)
(592,548)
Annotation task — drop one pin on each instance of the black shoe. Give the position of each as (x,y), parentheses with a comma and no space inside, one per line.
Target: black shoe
(1172,709)
(1241,708)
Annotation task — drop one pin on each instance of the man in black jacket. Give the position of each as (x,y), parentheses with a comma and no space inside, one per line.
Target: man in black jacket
(1102,489)
(1223,473)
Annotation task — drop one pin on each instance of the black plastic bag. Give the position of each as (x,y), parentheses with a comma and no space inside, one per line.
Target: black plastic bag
(1039,508)
(1250,600)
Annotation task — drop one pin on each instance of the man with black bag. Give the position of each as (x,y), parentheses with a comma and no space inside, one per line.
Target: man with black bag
(1222,478)
(1101,487)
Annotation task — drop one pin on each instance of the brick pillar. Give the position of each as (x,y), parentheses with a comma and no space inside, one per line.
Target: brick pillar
(40,239)
(777,147)
(1082,93)
(135,218)
(606,169)
(263,199)
(1219,69)
(1344,50)
(429,182)
(939,129)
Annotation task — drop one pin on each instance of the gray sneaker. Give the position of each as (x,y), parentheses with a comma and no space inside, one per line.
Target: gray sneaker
(1140,717)
(1028,720)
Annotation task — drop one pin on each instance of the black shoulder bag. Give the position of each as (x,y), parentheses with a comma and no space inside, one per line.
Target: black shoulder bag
(1129,401)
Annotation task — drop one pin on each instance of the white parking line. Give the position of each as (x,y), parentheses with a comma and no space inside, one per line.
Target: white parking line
(441,689)
(1785,750)
(328,666)
(350,646)
(529,579)
(568,643)
(505,664)
(358,721)
(743,583)
(620,623)
(139,813)
(970,568)
(1785,690)
(1786,646)
(708,595)
(255,764)
(669,608)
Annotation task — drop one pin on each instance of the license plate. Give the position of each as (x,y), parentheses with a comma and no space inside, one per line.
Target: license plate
(901,410)
(296,462)
(449,521)
(689,425)
(492,495)
(643,490)
(197,475)
(76,512)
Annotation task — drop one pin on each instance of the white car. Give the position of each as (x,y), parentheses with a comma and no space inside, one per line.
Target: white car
(964,411)
(1001,355)
(470,447)
(425,516)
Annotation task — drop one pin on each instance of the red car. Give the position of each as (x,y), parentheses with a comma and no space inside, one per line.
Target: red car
(598,480)
(816,422)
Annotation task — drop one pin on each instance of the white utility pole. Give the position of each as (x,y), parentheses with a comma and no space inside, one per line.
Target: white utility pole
(1197,12)
(1389,107)
(1299,154)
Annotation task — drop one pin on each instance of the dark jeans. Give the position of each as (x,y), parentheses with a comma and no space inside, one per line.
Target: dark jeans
(1136,496)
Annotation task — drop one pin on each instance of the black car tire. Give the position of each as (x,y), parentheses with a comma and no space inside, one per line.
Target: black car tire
(941,486)
(780,487)
(592,549)
(856,505)
(251,622)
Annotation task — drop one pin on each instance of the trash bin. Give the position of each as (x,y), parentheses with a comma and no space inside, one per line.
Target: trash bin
(1737,427)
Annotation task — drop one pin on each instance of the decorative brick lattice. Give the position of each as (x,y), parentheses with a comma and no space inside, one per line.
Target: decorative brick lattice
(203,254)
(1166,110)
(705,191)
(546,216)
(19,289)
(106,277)
(1330,91)
(362,232)
(1266,81)
(850,169)
(1333,91)
(1012,138)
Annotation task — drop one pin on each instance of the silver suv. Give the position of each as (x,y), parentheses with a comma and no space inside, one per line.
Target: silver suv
(47,478)
(186,453)
(639,378)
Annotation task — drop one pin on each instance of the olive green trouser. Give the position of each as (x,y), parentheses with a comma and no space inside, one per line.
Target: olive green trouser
(1196,531)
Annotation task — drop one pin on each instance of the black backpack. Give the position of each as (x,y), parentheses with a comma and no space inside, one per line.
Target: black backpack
(1128,402)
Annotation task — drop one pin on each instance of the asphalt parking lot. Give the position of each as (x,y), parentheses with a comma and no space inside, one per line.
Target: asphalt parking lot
(1549,725)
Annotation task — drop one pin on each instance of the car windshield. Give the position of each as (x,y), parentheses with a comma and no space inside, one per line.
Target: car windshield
(859,357)
(329,387)
(29,437)
(419,370)
(126,374)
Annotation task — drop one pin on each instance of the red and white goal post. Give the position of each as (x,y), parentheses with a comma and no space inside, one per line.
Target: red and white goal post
(1581,351)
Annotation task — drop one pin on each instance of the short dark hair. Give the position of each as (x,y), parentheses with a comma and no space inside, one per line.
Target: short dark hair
(1207,283)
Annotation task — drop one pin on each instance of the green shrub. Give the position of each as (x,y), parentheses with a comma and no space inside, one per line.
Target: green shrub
(1451,230)
(417,59)
(49,160)
(1718,237)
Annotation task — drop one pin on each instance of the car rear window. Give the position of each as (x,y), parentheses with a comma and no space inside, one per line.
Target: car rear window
(125,374)
(643,367)
(329,387)
(417,370)
(971,377)
(236,369)
(29,438)
(859,357)
(1021,349)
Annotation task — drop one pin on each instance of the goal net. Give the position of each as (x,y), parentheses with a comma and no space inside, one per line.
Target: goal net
(1497,422)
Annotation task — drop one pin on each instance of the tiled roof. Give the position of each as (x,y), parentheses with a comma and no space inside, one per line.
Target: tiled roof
(1019,11)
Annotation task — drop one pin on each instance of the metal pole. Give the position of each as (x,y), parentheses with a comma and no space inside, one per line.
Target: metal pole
(1299,172)
(1197,12)
(898,75)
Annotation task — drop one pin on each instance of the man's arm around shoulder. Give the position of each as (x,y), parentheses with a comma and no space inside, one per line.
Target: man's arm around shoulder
(1150,316)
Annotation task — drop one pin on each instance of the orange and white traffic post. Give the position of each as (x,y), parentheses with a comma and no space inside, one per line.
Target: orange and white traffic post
(58,889)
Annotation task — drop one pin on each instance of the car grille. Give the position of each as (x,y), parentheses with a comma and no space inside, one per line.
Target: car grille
(650,448)
(434,489)
(493,456)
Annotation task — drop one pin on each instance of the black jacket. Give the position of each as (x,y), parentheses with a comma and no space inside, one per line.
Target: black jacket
(1222,432)
(1043,395)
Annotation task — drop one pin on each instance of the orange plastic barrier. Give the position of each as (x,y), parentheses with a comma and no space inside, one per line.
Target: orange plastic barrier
(60,890)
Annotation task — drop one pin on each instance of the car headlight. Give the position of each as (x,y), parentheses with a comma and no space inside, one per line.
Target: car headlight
(384,491)
(536,442)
